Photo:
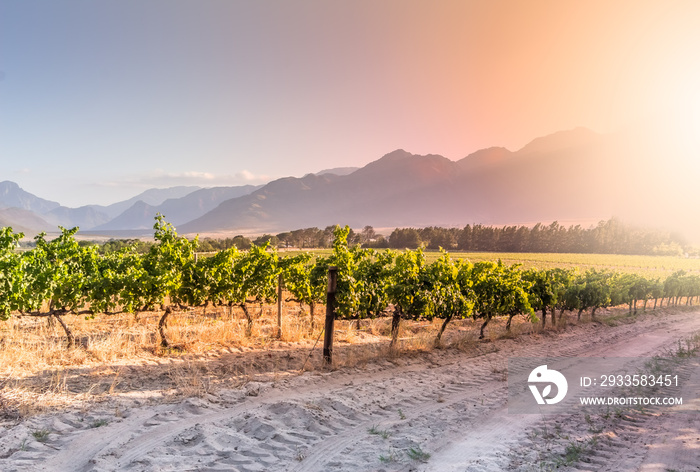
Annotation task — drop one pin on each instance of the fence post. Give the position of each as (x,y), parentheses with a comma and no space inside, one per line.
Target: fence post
(280,281)
(330,316)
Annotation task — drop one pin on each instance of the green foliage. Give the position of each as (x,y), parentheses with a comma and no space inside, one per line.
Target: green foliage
(345,259)
(570,299)
(450,288)
(62,275)
(561,280)
(608,237)
(417,454)
(371,281)
(11,273)
(310,238)
(621,286)
(119,245)
(58,272)
(500,290)
(165,263)
(405,238)
(194,290)
(214,245)
(218,275)
(595,290)
(102,282)
(254,277)
(542,292)
(407,287)
(679,284)
(266,239)
(307,286)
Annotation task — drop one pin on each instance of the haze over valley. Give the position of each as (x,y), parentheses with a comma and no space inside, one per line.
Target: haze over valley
(576,176)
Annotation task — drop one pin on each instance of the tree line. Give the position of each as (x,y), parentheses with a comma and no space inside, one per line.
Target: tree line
(607,237)
(61,276)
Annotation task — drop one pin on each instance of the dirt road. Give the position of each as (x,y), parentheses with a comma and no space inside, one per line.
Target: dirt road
(445,410)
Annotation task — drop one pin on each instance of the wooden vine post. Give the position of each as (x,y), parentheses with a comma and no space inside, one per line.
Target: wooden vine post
(162,324)
(280,282)
(330,316)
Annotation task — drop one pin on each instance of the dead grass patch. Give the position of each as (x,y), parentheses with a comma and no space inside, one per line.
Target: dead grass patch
(118,354)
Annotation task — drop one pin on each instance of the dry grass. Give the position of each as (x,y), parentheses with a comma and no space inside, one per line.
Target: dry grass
(209,350)
(121,353)
(31,345)
(191,379)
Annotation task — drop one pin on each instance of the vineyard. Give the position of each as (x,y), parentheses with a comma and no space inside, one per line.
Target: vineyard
(174,359)
(648,266)
(60,277)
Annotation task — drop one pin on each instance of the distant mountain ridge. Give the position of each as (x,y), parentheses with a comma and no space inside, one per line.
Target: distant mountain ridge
(176,210)
(153,197)
(21,220)
(574,175)
(12,196)
(30,214)
(338,171)
(404,189)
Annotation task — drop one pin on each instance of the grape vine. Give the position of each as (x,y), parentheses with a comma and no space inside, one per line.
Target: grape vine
(60,277)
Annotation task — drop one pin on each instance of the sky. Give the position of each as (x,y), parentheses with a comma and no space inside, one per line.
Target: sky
(100,100)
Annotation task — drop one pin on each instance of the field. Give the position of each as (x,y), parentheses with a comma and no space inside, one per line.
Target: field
(219,399)
(648,266)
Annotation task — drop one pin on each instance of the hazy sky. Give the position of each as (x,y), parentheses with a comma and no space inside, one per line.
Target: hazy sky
(100,100)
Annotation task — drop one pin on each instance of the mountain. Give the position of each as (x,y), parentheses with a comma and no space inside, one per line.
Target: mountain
(338,171)
(153,197)
(176,210)
(275,205)
(28,213)
(85,217)
(12,196)
(22,221)
(569,175)
(383,193)
(490,157)
(544,180)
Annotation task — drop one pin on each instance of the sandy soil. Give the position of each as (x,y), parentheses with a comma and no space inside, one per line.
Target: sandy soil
(444,410)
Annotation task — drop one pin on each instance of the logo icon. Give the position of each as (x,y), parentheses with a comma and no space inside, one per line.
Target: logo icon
(549,376)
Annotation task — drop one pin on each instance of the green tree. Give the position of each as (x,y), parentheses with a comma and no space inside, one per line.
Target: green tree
(405,238)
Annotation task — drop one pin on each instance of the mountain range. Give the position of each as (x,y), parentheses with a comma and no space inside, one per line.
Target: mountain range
(574,175)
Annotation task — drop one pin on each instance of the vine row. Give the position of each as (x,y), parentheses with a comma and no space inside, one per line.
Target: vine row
(60,277)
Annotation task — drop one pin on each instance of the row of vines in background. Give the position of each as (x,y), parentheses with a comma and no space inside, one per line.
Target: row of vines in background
(60,277)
